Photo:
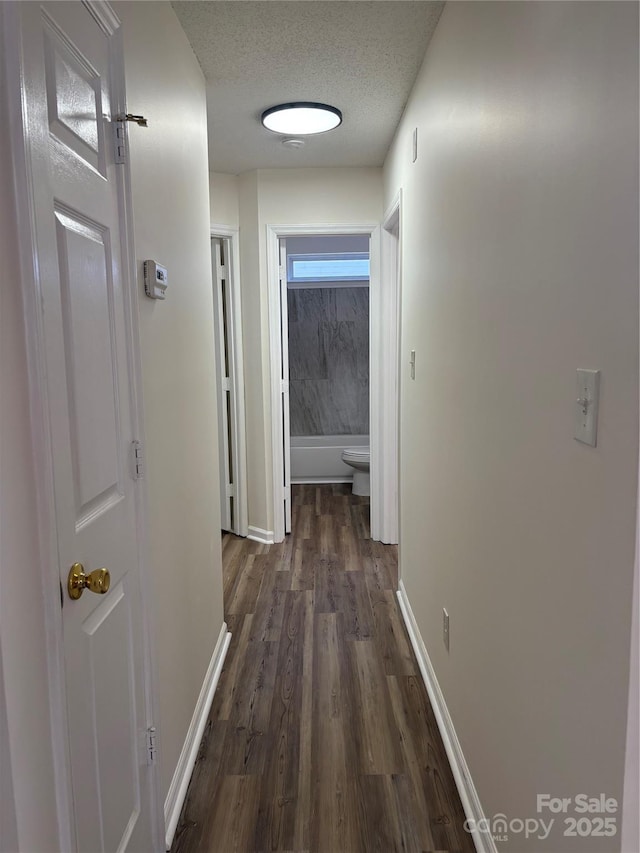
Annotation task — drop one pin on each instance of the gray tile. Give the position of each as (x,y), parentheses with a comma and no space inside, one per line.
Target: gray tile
(338,340)
(307,401)
(361,346)
(360,424)
(329,361)
(341,410)
(292,306)
(306,352)
(315,305)
(352,303)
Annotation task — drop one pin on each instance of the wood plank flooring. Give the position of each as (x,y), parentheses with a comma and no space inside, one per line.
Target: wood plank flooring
(321,736)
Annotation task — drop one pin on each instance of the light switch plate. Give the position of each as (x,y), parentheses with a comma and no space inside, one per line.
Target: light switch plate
(412,363)
(415,144)
(445,628)
(586,406)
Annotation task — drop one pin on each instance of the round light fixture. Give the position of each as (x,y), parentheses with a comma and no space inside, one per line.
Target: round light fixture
(301,118)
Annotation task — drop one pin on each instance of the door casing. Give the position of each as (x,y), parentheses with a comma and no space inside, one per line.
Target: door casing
(383,494)
(389,370)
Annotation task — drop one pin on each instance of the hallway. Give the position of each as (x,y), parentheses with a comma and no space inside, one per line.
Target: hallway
(321,736)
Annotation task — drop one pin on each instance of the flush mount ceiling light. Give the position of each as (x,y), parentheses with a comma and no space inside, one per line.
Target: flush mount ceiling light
(301,118)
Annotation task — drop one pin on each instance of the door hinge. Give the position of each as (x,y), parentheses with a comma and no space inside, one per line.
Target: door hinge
(120,134)
(226,383)
(152,749)
(285,386)
(230,490)
(120,140)
(137,460)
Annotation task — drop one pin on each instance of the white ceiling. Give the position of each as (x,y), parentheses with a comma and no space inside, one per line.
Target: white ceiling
(359,55)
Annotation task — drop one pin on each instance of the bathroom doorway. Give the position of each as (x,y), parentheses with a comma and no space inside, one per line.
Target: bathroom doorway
(326,342)
(327,278)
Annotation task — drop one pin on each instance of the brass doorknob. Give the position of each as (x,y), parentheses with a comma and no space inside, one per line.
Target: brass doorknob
(97,581)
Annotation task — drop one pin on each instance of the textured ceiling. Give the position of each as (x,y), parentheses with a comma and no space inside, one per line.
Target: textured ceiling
(360,56)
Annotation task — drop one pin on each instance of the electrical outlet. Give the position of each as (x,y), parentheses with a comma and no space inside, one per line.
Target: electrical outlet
(445,628)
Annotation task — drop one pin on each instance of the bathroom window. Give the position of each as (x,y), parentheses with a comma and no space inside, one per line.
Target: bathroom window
(347,267)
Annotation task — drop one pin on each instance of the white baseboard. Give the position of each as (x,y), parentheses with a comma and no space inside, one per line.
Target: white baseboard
(260,535)
(182,775)
(319,481)
(470,801)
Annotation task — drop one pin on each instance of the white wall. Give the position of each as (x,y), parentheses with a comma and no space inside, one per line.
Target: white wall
(282,197)
(321,244)
(224,200)
(520,264)
(320,196)
(171,224)
(255,375)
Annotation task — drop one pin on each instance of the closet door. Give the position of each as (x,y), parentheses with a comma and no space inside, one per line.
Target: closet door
(222,315)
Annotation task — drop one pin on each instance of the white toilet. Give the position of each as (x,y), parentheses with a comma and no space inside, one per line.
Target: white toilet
(358,459)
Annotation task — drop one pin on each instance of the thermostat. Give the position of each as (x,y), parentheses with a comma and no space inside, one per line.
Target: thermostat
(155,280)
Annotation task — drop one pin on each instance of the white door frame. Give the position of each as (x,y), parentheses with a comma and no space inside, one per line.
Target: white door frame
(23,126)
(391,294)
(381,497)
(284,398)
(236,359)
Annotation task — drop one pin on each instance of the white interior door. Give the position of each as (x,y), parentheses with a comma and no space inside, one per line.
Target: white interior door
(224,384)
(286,425)
(73,76)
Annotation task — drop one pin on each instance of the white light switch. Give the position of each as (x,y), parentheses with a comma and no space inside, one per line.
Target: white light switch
(412,363)
(586,406)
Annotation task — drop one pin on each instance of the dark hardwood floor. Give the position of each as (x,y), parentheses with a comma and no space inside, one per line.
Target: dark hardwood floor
(321,736)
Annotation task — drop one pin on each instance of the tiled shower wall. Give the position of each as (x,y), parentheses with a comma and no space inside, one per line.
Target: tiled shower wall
(329,361)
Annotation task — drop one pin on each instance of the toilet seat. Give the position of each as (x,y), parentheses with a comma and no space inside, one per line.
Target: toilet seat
(358,454)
